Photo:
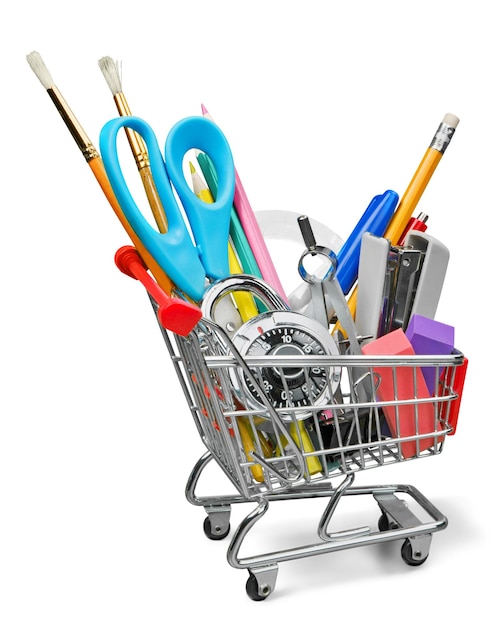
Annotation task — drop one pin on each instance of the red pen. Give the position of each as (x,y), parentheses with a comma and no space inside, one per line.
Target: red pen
(415,223)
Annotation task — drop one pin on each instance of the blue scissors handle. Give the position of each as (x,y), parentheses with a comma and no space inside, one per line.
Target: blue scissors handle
(210,223)
(186,264)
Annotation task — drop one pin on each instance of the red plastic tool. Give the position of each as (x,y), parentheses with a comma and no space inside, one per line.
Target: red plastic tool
(174,313)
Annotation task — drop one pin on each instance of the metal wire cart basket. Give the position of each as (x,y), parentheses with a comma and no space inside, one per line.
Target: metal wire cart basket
(291,424)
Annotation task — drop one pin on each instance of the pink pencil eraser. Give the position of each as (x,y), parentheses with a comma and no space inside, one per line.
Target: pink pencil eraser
(427,336)
(391,344)
(403,382)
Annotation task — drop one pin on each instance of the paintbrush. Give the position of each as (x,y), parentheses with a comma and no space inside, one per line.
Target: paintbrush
(112,72)
(95,162)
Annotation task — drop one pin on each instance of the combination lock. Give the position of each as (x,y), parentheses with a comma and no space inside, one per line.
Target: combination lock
(285,345)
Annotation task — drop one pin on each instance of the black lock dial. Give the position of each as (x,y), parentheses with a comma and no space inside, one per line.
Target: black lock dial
(287,334)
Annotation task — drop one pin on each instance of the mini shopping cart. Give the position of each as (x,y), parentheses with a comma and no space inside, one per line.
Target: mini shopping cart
(300,422)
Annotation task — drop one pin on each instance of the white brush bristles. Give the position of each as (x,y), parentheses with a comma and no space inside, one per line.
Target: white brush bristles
(38,66)
(112,72)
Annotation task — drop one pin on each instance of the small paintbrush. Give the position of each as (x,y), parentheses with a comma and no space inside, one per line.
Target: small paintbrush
(95,162)
(112,72)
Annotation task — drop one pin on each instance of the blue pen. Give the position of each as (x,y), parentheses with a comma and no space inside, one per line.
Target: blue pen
(375,220)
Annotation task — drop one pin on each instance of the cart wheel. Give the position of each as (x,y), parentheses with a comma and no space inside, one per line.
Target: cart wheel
(408,556)
(252,589)
(220,533)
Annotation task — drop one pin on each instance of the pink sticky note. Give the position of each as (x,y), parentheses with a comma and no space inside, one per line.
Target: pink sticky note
(406,383)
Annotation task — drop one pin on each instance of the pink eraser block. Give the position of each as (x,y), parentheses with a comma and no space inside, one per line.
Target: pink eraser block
(403,382)
(427,336)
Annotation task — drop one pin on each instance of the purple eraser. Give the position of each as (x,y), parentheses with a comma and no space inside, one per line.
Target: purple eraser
(428,336)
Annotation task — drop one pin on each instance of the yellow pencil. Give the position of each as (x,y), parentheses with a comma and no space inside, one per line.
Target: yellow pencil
(421,178)
(417,185)
(244,300)
(249,448)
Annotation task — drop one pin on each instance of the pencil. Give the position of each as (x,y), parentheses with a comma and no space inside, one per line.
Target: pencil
(421,178)
(244,301)
(112,72)
(93,159)
(253,233)
(417,185)
(237,233)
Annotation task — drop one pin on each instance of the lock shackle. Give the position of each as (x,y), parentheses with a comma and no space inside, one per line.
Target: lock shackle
(241,282)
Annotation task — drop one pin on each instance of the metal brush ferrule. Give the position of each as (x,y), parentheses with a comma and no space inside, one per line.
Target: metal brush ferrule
(84,143)
(137,144)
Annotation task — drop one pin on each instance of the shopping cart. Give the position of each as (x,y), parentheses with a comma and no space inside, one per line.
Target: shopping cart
(300,423)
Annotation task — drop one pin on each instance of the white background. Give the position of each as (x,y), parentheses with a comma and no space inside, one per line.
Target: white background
(325,104)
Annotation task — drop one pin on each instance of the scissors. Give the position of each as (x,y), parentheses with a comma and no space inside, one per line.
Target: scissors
(187,260)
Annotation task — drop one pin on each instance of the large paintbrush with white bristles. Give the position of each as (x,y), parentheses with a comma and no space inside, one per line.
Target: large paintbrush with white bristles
(112,72)
(95,162)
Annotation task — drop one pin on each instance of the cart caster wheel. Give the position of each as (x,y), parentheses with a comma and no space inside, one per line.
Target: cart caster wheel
(384,524)
(253,591)
(409,557)
(217,533)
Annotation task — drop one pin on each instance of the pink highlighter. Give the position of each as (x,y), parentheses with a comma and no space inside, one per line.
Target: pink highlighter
(403,383)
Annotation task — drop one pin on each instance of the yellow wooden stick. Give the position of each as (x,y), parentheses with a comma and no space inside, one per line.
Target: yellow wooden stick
(303,441)
(246,439)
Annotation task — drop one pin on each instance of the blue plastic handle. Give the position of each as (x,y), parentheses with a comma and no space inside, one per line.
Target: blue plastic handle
(375,220)
(210,223)
(186,264)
